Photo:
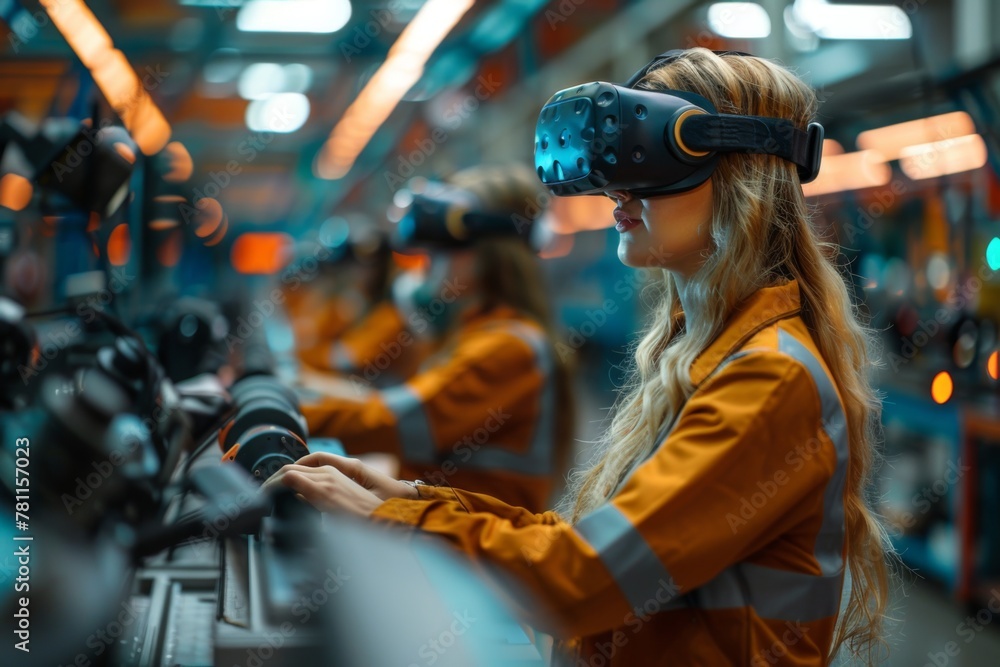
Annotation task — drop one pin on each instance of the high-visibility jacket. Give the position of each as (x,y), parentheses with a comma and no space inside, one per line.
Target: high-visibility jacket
(315,318)
(379,349)
(724,547)
(481,417)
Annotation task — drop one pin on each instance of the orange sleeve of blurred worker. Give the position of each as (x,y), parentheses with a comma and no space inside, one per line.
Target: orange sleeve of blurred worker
(489,383)
(378,348)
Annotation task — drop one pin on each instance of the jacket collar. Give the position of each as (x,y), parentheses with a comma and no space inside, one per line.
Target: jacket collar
(761,309)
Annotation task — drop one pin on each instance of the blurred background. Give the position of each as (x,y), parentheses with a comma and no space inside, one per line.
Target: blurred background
(254,126)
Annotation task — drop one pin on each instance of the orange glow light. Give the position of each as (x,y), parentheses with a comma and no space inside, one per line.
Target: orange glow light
(942,387)
(940,158)
(216,238)
(260,252)
(180,166)
(125,151)
(992,366)
(208,218)
(119,245)
(892,139)
(416,261)
(15,191)
(403,67)
(559,246)
(577,214)
(168,253)
(159,224)
(111,72)
(849,171)
(831,147)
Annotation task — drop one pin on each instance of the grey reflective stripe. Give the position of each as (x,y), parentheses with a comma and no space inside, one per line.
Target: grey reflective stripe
(635,567)
(773,594)
(417,440)
(415,437)
(830,540)
(341,358)
(537,459)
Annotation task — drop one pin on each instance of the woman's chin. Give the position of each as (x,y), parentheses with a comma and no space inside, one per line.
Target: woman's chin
(629,254)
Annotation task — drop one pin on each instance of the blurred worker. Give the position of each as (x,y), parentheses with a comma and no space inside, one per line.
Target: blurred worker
(716,525)
(332,282)
(382,349)
(491,410)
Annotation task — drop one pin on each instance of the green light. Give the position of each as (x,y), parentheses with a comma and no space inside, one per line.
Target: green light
(993,254)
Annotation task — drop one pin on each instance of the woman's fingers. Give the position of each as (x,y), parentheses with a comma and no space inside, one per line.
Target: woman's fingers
(353,468)
(277,479)
(328,489)
(309,487)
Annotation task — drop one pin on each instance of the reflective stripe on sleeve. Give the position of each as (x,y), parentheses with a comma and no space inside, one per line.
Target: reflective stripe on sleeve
(537,459)
(635,567)
(341,358)
(412,425)
(830,540)
(772,593)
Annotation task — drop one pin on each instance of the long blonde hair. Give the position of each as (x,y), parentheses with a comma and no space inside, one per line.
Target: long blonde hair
(761,235)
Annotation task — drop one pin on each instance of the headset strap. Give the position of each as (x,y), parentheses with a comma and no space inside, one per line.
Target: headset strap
(667,57)
(756,134)
(746,134)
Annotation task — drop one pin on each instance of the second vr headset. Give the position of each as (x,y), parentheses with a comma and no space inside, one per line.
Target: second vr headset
(602,136)
(446,216)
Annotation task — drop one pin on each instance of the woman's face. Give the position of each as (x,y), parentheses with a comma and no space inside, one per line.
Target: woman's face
(670,232)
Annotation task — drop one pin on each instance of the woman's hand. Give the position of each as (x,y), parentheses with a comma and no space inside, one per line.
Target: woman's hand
(330,482)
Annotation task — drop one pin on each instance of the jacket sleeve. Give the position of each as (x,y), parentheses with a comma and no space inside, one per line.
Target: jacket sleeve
(480,502)
(669,529)
(490,381)
(381,331)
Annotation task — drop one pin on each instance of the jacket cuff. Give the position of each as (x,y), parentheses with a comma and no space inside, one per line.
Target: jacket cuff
(400,510)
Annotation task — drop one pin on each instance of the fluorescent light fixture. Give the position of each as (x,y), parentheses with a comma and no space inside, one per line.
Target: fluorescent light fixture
(282,113)
(892,139)
(262,80)
(740,20)
(941,158)
(403,67)
(316,16)
(837,21)
(111,72)
(849,171)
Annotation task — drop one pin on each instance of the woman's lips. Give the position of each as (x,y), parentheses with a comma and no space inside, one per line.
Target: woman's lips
(624,222)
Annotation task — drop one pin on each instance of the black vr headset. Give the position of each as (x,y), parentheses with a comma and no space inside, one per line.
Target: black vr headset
(445,216)
(603,136)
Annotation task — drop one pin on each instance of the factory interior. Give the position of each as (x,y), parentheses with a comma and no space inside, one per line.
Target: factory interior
(475,333)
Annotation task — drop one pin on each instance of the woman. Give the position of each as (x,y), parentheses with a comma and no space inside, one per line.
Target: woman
(726,541)
(491,410)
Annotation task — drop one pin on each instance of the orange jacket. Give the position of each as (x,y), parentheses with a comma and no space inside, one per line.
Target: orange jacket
(379,349)
(724,547)
(315,318)
(481,417)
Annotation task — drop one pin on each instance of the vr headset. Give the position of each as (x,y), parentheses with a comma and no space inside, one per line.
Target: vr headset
(603,136)
(445,216)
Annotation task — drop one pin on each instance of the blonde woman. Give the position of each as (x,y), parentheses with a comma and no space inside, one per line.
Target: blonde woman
(728,500)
